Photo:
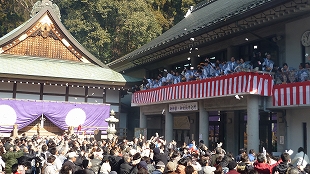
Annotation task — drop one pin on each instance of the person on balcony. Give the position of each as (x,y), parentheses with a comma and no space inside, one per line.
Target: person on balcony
(268,63)
(169,77)
(257,61)
(231,66)
(243,66)
(208,70)
(187,73)
(218,70)
(302,74)
(177,78)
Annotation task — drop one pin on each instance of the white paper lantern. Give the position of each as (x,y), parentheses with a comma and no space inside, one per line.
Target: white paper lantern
(75,117)
(7,115)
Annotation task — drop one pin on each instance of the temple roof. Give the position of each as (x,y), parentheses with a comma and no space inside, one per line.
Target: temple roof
(45,29)
(43,47)
(46,69)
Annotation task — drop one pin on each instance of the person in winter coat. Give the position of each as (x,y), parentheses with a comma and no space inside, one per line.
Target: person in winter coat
(10,157)
(262,167)
(283,166)
(125,167)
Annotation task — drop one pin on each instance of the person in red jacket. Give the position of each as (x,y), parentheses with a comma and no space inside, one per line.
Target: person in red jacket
(262,167)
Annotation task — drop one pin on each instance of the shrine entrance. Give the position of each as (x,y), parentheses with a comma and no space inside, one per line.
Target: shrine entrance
(42,127)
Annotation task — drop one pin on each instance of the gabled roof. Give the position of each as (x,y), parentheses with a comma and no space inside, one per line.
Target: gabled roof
(205,17)
(57,30)
(46,69)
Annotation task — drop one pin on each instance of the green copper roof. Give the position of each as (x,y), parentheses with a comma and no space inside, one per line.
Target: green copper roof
(63,70)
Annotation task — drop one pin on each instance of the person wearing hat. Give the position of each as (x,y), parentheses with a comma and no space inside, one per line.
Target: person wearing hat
(160,167)
(232,167)
(71,160)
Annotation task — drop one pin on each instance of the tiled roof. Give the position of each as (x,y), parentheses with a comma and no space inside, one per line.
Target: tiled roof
(202,18)
(62,70)
(17,32)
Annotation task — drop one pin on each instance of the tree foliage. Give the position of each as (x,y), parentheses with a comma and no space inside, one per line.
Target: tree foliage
(108,29)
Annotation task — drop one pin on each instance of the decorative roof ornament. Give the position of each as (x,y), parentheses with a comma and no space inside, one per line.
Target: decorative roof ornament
(41,4)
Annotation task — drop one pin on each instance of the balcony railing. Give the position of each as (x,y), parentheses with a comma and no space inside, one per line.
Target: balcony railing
(226,85)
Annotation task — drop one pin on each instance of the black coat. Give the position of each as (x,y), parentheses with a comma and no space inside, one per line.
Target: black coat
(125,168)
(72,165)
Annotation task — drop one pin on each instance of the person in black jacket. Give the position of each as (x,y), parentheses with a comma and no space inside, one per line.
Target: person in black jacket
(125,167)
(159,155)
(257,61)
(285,165)
(70,162)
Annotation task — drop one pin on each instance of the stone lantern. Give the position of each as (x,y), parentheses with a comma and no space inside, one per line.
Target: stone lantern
(111,125)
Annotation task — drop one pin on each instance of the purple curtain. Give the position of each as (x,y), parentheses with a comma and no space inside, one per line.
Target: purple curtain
(56,112)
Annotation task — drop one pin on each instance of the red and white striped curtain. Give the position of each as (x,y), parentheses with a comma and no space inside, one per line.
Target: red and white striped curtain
(232,84)
(292,94)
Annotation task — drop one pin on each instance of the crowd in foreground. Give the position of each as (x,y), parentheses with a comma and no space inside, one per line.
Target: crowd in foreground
(84,155)
(207,69)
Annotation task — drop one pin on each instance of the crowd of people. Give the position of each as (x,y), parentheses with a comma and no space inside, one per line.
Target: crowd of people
(86,155)
(207,69)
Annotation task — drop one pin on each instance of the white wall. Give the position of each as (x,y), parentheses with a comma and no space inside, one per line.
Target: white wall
(294,30)
(295,118)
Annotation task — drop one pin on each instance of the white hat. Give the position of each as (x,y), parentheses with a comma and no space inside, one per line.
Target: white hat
(72,154)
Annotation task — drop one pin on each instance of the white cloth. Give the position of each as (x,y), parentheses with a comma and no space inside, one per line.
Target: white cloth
(105,168)
(208,169)
(299,159)
(50,169)
(2,164)
(57,164)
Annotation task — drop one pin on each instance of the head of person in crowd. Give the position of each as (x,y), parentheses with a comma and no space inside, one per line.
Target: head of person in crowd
(136,158)
(301,66)
(261,158)
(142,164)
(189,169)
(170,167)
(160,166)
(218,170)
(51,159)
(293,170)
(245,158)
(15,169)
(232,165)
(182,163)
(300,149)
(218,150)
(285,157)
(72,156)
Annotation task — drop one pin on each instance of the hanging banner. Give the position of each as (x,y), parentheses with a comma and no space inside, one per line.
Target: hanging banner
(179,107)
(61,114)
